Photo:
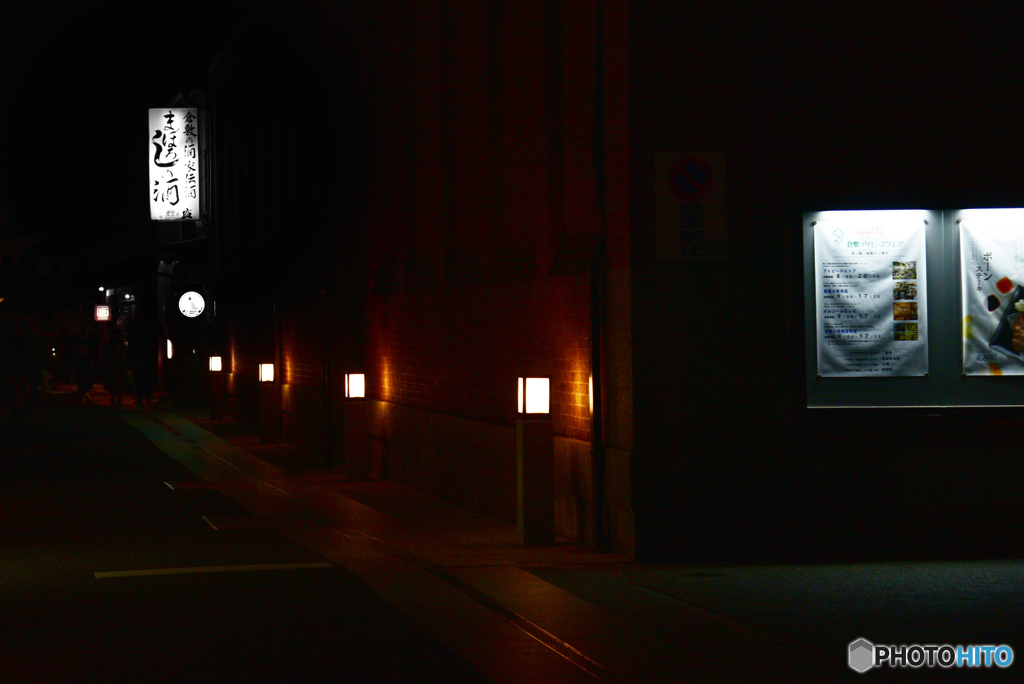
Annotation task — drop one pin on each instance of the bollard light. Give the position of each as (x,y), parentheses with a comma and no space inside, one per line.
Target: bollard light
(534,396)
(266,372)
(355,386)
(215,363)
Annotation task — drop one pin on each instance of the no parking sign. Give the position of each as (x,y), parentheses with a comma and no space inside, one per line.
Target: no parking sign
(690,206)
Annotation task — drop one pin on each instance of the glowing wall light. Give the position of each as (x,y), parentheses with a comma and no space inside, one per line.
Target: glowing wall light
(215,363)
(534,396)
(355,386)
(102,313)
(174,168)
(266,372)
(170,350)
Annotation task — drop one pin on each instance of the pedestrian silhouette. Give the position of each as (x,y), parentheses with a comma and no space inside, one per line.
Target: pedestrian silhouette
(115,367)
(85,358)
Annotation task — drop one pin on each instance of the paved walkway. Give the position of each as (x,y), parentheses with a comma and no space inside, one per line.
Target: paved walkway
(566,613)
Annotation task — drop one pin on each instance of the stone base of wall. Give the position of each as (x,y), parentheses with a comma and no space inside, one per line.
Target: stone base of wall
(473,464)
(302,416)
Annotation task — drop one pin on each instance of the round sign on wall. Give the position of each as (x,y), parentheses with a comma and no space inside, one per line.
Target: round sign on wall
(191,304)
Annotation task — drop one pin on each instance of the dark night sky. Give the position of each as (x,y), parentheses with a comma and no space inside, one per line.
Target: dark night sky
(77,80)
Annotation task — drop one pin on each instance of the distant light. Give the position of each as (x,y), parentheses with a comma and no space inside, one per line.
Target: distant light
(170,349)
(355,386)
(534,395)
(215,363)
(266,372)
(102,289)
(127,296)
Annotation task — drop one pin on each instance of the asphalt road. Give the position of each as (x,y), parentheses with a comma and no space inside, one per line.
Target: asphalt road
(84,503)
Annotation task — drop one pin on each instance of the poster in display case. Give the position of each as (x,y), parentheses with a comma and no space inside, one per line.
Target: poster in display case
(992,287)
(871,295)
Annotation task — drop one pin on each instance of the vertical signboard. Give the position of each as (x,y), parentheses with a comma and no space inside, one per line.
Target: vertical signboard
(690,207)
(870,276)
(992,277)
(174,164)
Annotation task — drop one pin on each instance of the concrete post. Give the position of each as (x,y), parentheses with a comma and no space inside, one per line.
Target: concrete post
(270,412)
(357,441)
(535,476)
(218,389)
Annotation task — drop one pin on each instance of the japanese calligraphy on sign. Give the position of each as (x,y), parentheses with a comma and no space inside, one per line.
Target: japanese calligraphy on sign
(871,294)
(174,164)
(992,275)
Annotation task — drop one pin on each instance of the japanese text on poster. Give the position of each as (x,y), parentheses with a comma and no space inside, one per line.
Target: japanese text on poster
(992,274)
(870,293)
(174,164)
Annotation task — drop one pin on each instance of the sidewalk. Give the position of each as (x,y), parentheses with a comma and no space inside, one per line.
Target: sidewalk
(560,613)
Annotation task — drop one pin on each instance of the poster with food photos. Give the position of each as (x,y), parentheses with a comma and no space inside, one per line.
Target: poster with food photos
(992,276)
(870,292)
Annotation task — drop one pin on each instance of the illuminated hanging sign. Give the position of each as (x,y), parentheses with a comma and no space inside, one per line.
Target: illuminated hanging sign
(174,164)
(102,312)
(191,304)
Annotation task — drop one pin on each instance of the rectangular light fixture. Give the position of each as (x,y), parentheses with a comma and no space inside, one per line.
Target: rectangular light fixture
(215,363)
(266,372)
(102,312)
(355,386)
(170,349)
(534,396)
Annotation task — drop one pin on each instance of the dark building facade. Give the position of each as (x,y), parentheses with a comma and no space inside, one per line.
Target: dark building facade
(446,195)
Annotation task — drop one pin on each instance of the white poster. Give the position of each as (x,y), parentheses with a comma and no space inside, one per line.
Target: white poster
(992,273)
(871,296)
(174,164)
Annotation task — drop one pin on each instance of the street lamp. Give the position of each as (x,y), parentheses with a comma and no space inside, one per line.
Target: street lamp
(217,386)
(266,372)
(534,396)
(355,386)
(535,459)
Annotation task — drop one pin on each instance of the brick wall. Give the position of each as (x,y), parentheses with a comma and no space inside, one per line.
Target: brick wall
(477,266)
(496,156)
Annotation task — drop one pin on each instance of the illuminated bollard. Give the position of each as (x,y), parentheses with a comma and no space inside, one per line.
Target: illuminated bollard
(218,389)
(357,429)
(535,464)
(270,405)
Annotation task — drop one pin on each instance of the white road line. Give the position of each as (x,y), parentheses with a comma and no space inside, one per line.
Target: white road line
(210,568)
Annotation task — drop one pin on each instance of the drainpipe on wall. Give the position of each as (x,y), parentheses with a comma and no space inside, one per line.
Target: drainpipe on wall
(326,360)
(597,286)
(596,420)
